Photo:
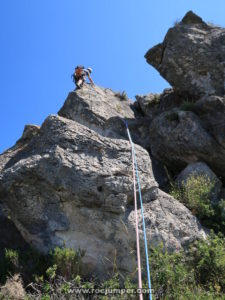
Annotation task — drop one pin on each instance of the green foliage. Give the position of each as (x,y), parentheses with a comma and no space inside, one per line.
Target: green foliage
(197,274)
(65,288)
(88,285)
(195,193)
(12,260)
(68,261)
(46,287)
(77,280)
(9,264)
(51,272)
(170,274)
(113,283)
(122,96)
(208,262)
(172,116)
(128,284)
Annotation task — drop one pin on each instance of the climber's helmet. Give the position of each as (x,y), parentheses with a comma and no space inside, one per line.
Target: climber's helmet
(90,70)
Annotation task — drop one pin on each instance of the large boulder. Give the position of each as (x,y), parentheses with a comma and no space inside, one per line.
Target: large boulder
(192,57)
(94,107)
(178,138)
(105,112)
(71,186)
(66,184)
(169,222)
(211,111)
(152,105)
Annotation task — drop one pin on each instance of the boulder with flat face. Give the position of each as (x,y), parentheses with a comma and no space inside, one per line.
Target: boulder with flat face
(211,111)
(192,57)
(178,138)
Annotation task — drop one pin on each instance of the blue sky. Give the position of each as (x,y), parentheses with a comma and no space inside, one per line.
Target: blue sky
(41,41)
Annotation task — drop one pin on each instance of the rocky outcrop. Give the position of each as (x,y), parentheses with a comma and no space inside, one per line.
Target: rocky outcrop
(151,105)
(68,183)
(169,222)
(192,57)
(178,138)
(95,107)
(103,111)
(211,111)
(10,237)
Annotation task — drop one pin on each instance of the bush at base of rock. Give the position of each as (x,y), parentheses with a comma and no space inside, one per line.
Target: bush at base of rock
(68,261)
(197,273)
(195,193)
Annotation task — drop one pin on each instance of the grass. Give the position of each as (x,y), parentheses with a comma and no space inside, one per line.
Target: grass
(187,106)
(122,96)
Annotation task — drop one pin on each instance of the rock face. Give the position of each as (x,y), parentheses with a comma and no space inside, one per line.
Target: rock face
(192,57)
(169,222)
(211,111)
(178,138)
(70,183)
(10,236)
(103,111)
(87,106)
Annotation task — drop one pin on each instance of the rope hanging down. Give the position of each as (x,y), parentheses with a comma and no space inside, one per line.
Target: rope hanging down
(137,230)
(135,169)
(142,210)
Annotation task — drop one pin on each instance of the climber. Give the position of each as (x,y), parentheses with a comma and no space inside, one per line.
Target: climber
(80,74)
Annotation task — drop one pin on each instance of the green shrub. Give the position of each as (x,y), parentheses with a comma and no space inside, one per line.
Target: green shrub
(9,264)
(113,282)
(170,273)
(122,96)
(195,193)
(51,272)
(208,262)
(68,261)
(198,273)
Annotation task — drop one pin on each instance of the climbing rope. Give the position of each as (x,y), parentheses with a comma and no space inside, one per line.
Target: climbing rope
(142,210)
(137,230)
(136,175)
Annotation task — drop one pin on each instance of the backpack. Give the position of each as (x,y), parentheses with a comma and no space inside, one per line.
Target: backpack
(79,71)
